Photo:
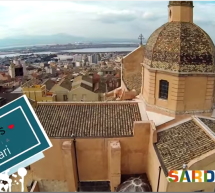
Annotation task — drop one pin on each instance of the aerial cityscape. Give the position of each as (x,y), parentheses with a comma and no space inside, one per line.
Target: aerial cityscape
(124,113)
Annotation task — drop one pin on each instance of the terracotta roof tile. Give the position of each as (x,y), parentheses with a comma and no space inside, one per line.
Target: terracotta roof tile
(181,144)
(88,119)
(133,81)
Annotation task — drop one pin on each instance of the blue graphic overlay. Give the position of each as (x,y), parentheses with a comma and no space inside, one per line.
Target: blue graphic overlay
(21,134)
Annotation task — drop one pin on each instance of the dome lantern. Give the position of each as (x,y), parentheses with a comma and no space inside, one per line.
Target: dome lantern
(181,11)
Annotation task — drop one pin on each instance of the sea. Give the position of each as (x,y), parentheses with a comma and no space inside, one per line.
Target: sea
(93,50)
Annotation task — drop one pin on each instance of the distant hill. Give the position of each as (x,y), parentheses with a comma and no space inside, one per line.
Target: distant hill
(55,39)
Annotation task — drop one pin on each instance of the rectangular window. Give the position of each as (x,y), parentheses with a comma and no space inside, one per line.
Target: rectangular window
(74,97)
(83,97)
(163,89)
(65,97)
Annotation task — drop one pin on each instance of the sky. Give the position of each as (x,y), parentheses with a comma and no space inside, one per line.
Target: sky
(110,19)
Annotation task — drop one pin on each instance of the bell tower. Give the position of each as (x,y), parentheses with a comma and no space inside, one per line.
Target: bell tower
(181,11)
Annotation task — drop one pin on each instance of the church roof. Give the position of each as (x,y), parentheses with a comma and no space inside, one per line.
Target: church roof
(88,119)
(133,78)
(180,47)
(133,81)
(182,143)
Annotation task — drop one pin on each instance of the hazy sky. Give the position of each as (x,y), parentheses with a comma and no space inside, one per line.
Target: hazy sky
(112,19)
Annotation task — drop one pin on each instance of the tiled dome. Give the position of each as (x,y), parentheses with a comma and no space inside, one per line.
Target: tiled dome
(180,47)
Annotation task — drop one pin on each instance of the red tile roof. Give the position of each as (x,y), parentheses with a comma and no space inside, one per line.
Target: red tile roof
(181,144)
(88,119)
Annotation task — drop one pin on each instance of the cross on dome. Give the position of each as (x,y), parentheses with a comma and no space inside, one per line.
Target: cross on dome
(141,38)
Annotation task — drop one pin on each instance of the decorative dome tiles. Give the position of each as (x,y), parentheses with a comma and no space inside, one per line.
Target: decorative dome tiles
(180,47)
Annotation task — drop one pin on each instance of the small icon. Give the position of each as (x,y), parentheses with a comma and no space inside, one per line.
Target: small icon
(10,126)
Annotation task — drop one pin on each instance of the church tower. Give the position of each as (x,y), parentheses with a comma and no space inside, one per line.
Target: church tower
(178,66)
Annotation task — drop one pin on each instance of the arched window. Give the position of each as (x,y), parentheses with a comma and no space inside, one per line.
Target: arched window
(163,89)
(170,13)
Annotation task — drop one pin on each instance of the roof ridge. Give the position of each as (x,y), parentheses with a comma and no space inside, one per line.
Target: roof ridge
(86,103)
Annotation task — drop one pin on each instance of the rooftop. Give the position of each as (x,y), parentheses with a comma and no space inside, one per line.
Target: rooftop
(88,119)
(83,78)
(17,90)
(182,143)
(133,81)
(65,83)
(209,123)
(32,82)
(10,96)
(83,86)
(49,84)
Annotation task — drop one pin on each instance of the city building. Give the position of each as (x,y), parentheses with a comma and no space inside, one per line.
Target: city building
(11,71)
(62,88)
(37,92)
(51,70)
(90,59)
(95,58)
(4,77)
(17,68)
(77,57)
(82,90)
(167,126)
